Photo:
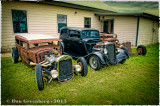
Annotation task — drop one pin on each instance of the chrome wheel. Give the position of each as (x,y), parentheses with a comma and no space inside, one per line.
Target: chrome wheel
(93,62)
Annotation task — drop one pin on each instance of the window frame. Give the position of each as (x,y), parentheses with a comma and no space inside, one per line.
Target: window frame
(90,22)
(62,23)
(26,21)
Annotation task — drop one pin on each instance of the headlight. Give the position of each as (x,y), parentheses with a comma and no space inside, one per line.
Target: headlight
(77,68)
(118,49)
(105,51)
(54,73)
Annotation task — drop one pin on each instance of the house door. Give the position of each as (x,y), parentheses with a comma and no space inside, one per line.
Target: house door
(108,26)
(105,28)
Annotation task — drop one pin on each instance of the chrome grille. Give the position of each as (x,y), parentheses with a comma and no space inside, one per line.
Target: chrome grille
(65,69)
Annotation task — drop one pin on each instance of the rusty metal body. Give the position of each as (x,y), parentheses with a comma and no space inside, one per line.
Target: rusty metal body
(113,38)
(110,38)
(35,54)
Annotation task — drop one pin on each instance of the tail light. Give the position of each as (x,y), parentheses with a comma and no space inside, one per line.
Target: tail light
(95,46)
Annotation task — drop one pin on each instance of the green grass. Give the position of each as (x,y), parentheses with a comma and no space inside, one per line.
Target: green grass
(135,82)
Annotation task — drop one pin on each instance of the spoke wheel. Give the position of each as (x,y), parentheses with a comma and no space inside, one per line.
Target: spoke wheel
(94,62)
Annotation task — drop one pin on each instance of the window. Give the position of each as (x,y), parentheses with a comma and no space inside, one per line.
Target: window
(75,34)
(62,21)
(64,33)
(23,44)
(17,41)
(19,21)
(87,22)
(90,34)
(109,26)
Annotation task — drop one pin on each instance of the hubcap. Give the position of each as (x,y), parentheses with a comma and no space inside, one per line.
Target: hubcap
(140,51)
(81,66)
(93,62)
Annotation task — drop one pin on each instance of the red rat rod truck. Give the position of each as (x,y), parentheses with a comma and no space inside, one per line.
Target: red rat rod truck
(42,53)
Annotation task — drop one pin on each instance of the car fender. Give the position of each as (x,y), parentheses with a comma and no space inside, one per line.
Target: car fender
(99,55)
(62,44)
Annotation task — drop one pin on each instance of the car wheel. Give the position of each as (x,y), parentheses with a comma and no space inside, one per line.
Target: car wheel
(94,62)
(125,49)
(39,77)
(122,61)
(84,69)
(15,55)
(141,50)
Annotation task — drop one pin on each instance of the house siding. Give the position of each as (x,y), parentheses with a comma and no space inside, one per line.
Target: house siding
(41,19)
(125,27)
(146,35)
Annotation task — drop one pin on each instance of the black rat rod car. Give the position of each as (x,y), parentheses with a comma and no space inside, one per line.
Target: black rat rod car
(83,42)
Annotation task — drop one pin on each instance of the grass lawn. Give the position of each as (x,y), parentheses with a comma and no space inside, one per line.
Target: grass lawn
(134,82)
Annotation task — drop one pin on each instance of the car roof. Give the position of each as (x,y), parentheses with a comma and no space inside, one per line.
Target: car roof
(78,28)
(36,37)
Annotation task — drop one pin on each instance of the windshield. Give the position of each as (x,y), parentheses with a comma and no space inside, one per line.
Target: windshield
(90,34)
(33,45)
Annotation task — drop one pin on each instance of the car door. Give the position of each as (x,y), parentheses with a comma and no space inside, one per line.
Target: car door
(23,52)
(65,38)
(76,43)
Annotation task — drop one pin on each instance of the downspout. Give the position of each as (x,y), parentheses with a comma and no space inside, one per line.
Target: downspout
(137,31)
(153,30)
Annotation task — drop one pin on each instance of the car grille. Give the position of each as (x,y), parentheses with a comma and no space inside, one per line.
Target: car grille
(65,69)
(111,52)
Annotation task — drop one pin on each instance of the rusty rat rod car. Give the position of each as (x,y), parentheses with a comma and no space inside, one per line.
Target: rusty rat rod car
(83,42)
(141,49)
(42,52)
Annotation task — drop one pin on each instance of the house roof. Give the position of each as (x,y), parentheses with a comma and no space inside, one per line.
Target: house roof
(132,7)
(135,7)
(93,4)
(96,6)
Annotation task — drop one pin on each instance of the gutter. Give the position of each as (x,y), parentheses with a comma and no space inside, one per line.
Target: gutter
(145,15)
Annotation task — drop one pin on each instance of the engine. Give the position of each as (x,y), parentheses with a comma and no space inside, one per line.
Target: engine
(52,56)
